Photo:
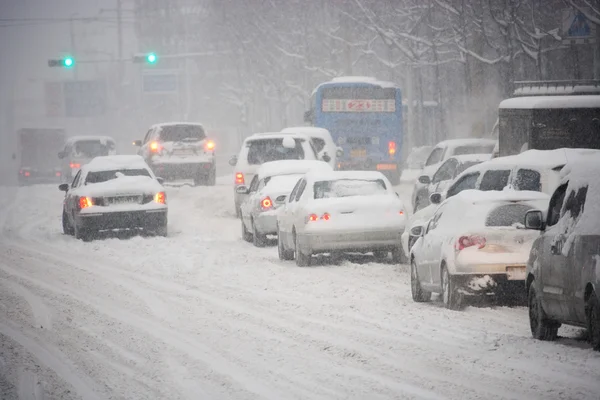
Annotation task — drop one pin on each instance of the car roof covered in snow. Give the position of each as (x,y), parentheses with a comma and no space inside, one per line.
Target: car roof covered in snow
(465,158)
(491,196)
(366,80)
(102,139)
(307,130)
(548,102)
(276,135)
(164,124)
(316,176)
(452,143)
(289,167)
(109,163)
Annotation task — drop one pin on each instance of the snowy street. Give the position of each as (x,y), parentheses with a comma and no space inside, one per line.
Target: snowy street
(203,315)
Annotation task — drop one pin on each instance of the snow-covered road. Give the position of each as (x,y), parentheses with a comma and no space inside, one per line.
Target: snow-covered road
(203,315)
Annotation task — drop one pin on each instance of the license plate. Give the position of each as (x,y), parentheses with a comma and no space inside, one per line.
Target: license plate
(516,273)
(358,153)
(386,167)
(183,152)
(124,200)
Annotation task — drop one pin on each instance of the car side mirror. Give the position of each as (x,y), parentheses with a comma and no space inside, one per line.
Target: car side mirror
(435,198)
(61,154)
(63,187)
(137,143)
(424,179)
(534,219)
(280,199)
(418,231)
(160,180)
(339,152)
(242,189)
(233,161)
(326,157)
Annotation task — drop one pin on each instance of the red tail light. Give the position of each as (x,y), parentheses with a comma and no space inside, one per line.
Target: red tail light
(155,147)
(401,212)
(315,217)
(266,203)
(468,241)
(75,165)
(27,173)
(58,174)
(326,217)
(392,148)
(209,146)
(239,178)
(160,198)
(85,202)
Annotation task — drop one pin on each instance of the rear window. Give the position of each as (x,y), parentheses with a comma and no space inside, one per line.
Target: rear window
(266,150)
(182,133)
(92,148)
(104,176)
(494,180)
(349,187)
(507,215)
(473,149)
(528,179)
(318,144)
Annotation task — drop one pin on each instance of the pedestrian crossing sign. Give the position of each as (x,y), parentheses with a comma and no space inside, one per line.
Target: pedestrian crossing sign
(577,28)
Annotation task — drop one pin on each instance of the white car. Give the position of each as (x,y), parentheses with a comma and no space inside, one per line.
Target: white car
(475,244)
(419,218)
(260,148)
(79,150)
(414,163)
(114,192)
(267,192)
(353,211)
(322,141)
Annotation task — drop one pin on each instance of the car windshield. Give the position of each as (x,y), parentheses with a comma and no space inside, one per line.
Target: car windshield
(474,149)
(103,176)
(265,150)
(182,133)
(349,187)
(92,148)
(508,215)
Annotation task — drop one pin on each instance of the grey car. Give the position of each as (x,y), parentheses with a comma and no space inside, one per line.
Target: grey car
(563,271)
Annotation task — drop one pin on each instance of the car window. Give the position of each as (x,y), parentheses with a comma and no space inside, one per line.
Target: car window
(494,180)
(318,144)
(507,215)
(76,179)
(464,183)
(433,223)
(463,167)
(182,133)
(575,202)
(473,149)
(92,148)
(147,137)
(528,179)
(435,157)
(265,150)
(103,176)
(253,184)
(294,191)
(301,190)
(555,206)
(262,183)
(445,171)
(348,187)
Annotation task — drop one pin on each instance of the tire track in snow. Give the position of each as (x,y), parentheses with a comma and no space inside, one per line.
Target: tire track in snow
(41,313)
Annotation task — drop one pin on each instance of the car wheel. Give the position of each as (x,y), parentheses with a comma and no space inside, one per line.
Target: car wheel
(418,294)
(284,254)
(82,234)
(67,228)
(247,236)
(452,299)
(303,258)
(542,328)
(593,320)
(398,256)
(380,256)
(258,239)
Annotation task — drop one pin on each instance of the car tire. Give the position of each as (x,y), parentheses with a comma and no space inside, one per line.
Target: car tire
(542,328)
(258,239)
(592,313)
(67,228)
(82,234)
(380,256)
(303,258)
(398,256)
(450,296)
(418,294)
(246,235)
(284,254)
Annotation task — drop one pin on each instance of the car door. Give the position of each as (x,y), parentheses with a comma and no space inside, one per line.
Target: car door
(246,206)
(286,215)
(429,256)
(71,198)
(297,211)
(436,240)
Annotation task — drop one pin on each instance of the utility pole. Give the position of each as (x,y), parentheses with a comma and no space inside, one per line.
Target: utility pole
(120,40)
(72,34)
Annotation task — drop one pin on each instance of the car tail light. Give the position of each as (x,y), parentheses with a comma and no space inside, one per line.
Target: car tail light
(315,217)
(401,212)
(75,165)
(27,173)
(155,147)
(391,147)
(468,241)
(209,146)
(58,174)
(266,203)
(160,198)
(85,202)
(312,217)
(239,178)
(326,217)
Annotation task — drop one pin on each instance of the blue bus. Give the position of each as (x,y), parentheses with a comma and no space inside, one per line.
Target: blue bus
(364,117)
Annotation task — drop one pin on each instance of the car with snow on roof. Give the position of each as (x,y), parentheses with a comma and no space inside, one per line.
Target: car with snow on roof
(79,150)
(475,244)
(260,148)
(414,163)
(563,270)
(322,141)
(341,211)
(114,192)
(267,192)
(180,151)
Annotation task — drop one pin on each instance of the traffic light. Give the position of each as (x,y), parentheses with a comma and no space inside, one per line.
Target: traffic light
(67,62)
(148,58)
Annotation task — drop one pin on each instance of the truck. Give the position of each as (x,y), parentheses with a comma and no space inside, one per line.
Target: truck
(38,161)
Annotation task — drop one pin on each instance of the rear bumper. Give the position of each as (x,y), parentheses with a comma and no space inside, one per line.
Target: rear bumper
(489,284)
(350,241)
(266,223)
(170,171)
(146,219)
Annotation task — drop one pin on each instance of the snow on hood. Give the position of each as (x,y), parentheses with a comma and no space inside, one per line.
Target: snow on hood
(122,185)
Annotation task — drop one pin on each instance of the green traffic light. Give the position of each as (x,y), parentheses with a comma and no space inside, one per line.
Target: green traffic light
(151,58)
(68,62)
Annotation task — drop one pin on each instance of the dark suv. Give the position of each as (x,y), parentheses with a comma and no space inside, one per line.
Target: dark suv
(563,271)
